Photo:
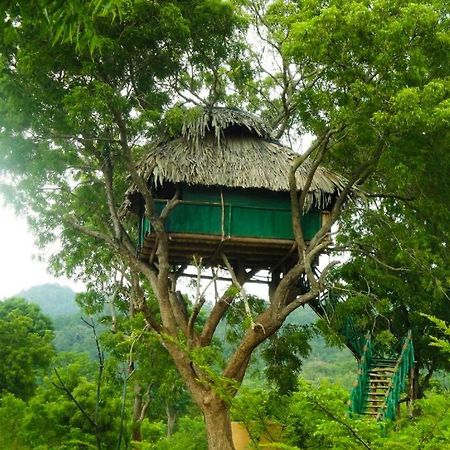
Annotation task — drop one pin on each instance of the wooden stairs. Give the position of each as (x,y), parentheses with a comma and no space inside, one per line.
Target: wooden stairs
(382,379)
(376,390)
(383,374)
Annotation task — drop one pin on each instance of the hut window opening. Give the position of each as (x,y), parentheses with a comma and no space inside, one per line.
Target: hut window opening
(165,191)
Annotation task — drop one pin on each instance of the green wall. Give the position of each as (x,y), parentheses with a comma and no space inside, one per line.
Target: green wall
(244,213)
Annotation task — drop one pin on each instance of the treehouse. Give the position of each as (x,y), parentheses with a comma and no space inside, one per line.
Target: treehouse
(231,179)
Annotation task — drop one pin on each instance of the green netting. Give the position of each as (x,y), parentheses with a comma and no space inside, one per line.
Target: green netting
(358,395)
(405,364)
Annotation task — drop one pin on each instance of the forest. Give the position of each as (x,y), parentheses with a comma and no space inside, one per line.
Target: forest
(255,195)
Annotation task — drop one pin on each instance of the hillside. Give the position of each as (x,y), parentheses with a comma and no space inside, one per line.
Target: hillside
(58,302)
(54,300)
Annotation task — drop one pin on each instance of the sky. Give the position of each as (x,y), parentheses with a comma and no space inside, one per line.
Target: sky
(19,264)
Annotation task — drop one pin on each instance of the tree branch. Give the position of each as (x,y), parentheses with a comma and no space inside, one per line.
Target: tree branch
(73,222)
(131,165)
(364,170)
(64,388)
(120,233)
(293,189)
(240,288)
(142,305)
(219,310)
(341,422)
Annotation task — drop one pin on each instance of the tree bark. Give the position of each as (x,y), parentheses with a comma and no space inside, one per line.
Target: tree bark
(136,434)
(425,383)
(218,425)
(416,383)
(171,415)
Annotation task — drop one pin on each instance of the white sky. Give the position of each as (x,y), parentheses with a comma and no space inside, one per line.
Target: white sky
(19,265)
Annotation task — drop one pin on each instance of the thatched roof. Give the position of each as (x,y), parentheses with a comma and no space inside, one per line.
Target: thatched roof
(230,148)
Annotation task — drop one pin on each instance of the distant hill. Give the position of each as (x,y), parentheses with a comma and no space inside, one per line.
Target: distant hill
(54,300)
(58,302)
(338,365)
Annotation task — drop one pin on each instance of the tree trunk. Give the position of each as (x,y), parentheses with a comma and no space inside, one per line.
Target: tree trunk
(218,425)
(418,387)
(171,420)
(216,412)
(425,384)
(136,434)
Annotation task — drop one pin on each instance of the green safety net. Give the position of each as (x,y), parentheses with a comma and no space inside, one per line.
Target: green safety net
(325,306)
(358,395)
(399,381)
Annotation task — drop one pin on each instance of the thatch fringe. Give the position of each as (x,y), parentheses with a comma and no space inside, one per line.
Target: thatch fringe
(210,153)
(217,120)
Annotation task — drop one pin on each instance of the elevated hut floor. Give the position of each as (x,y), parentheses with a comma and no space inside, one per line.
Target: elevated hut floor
(252,252)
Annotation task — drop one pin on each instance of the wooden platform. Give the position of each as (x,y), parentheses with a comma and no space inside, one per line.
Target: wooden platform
(251,252)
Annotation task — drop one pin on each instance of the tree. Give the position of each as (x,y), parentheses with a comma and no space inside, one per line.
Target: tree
(26,349)
(399,269)
(74,424)
(148,373)
(74,121)
(397,237)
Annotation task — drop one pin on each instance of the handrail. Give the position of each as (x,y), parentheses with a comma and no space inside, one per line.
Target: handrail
(354,341)
(358,396)
(325,307)
(404,365)
(227,204)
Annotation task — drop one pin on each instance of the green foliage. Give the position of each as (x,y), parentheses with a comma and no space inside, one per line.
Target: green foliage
(152,432)
(50,404)
(398,271)
(26,346)
(92,302)
(442,343)
(152,365)
(70,70)
(72,335)
(175,117)
(236,324)
(26,424)
(428,430)
(284,355)
(191,435)
(255,407)
(12,410)
(397,238)
(314,418)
